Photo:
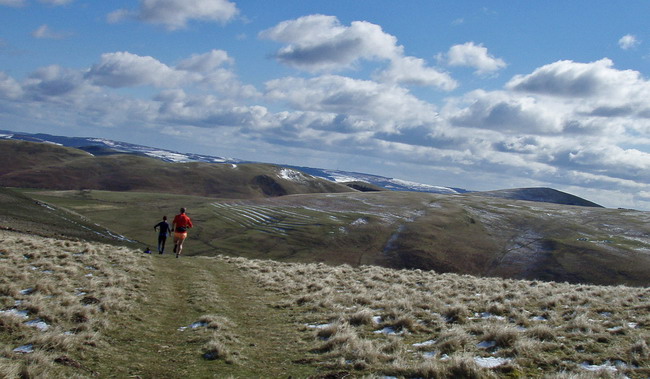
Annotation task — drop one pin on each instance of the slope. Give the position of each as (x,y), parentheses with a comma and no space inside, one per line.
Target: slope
(467,234)
(38,165)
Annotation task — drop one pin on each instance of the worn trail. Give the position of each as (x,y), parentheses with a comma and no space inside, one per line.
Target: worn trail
(149,344)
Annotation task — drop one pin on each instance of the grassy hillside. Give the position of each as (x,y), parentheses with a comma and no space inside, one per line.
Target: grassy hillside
(72,309)
(466,234)
(38,165)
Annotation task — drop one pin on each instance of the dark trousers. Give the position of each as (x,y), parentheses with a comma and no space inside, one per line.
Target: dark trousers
(161,243)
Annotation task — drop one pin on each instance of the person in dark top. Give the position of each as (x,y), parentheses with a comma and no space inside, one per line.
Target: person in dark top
(163,230)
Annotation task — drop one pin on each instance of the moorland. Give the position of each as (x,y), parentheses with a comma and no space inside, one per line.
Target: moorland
(292,276)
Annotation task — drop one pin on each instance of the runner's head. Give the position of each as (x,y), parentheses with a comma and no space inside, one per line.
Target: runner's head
(164,218)
(182,210)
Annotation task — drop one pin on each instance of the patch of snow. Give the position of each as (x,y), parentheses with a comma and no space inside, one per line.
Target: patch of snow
(490,362)
(293,175)
(429,354)
(425,343)
(607,366)
(38,324)
(359,221)
(538,318)
(168,156)
(388,331)
(317,326)
(377,319)
(27,291)
(16,312)
(486,344)
(25,349)
(488,315)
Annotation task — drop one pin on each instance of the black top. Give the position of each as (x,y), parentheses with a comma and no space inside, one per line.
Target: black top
(164,227)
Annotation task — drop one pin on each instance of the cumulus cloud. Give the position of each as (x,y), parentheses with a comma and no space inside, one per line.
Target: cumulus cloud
(55,83)
(364,104)
(573,79)
(175,14)
(45,32)
(413,71)
(320,43)
(628,41)
(475,56)
(123,69)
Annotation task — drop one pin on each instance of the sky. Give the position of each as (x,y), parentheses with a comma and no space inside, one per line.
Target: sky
(480,95)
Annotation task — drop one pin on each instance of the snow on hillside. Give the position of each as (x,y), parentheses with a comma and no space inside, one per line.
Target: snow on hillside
(289,172)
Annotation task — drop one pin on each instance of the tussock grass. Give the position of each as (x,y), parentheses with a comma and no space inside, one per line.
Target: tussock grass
(59,296)
(415,323)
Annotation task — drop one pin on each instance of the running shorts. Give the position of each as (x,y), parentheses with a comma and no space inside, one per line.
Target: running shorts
(180,236)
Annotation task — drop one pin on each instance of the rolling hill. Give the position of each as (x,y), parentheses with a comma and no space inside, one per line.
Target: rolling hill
(48,166)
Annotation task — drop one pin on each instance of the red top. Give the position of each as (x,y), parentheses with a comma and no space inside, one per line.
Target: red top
(182,220)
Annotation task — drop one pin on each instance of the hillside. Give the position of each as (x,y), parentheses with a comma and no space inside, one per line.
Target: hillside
(544,195)
(465,234)
(48,166)
(74,309)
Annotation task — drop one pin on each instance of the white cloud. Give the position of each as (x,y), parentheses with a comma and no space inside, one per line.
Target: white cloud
(411,70)
(475,56)
(175,14)
(573,79)
(320,43)
(45,32)
(205,63)
(361,104)
(628,41)
(123,69)
(9,87)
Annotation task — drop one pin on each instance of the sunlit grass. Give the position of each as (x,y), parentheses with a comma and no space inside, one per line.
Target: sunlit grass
(56,298)
(415,323)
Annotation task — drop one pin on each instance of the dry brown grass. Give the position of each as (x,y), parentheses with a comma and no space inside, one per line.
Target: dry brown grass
(58,296)
(461,324)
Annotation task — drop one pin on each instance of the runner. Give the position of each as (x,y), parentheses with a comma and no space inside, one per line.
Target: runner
(162,234)
(180,225)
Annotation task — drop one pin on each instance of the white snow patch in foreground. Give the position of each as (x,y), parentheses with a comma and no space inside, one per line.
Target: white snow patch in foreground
(38,324)
(317,326)
(16,312)
(25,349)
(389,331)
(490,362)
(425,343)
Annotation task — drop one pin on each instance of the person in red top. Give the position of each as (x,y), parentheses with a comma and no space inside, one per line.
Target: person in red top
(180,225)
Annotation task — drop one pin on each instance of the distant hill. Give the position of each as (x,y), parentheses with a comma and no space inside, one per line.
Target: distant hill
(102,146)
(49,166)
(354,180)
(545,195)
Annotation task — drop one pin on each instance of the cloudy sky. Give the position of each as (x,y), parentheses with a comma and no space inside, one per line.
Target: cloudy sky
(473,94)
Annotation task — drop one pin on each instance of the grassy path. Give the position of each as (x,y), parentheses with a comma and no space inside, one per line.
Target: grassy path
(266,342)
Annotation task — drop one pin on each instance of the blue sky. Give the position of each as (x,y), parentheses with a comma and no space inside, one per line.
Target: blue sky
(474,94)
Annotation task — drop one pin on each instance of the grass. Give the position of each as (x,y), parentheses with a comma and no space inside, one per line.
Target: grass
(158,316)
(58,297)
(538,329)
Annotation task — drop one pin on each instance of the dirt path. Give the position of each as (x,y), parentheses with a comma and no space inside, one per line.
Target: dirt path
(267,343)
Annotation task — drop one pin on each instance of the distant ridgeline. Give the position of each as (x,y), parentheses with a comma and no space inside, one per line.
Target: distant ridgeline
(354,180)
